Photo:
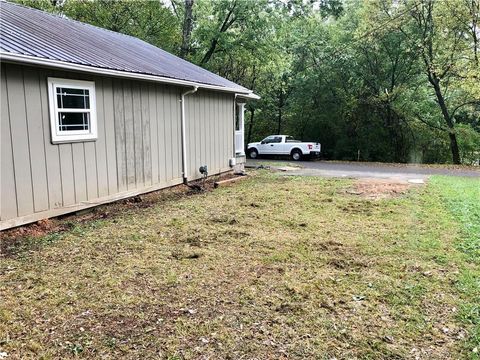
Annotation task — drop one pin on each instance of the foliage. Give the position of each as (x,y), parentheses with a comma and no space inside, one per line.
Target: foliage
(389,80)
(469,143)
(148,20)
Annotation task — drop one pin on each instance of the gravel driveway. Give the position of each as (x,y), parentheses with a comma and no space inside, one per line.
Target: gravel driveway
(365,170)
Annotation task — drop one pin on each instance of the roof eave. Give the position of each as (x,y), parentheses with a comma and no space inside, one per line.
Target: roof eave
(33,60)
(249,96)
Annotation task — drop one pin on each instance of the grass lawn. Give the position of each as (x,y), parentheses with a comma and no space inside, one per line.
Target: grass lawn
(274,267)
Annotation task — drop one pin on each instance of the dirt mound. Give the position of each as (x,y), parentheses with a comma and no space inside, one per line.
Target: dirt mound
(380,188)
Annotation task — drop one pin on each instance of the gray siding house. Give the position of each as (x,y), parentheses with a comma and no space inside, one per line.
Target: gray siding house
(90,116)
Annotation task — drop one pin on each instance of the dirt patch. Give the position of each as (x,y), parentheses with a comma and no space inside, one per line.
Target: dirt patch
(380,188)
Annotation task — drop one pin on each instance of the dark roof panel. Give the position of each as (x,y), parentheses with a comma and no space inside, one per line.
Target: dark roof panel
(32,32)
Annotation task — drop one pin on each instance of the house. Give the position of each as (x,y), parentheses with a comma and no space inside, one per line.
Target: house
(90,116)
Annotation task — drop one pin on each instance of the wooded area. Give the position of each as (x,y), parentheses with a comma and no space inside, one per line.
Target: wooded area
(377,80)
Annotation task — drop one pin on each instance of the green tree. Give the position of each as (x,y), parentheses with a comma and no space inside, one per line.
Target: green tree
(440,39)
(383,80)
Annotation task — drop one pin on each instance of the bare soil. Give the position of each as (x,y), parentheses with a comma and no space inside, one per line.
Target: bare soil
(380,188)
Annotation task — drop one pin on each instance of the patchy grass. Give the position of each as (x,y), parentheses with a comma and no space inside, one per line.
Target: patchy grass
(274,267)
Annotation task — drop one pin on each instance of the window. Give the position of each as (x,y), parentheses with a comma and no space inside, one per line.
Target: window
(72,110)
(267,140)
(290,139)
(237,118)
(272,139)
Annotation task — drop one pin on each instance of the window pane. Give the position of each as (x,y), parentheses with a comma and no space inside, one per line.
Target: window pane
(237,119)
(73,98)
(71,91)
(73,121)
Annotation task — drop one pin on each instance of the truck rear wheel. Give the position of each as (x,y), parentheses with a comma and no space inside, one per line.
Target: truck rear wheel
(296,155)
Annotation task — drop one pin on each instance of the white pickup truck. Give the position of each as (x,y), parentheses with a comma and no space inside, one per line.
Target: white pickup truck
(283,145)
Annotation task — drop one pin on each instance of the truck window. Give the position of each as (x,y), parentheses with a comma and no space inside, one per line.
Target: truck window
(290,139)
(272,139)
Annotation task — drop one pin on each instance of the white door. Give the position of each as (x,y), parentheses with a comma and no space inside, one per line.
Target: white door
(271,145)
(239,130)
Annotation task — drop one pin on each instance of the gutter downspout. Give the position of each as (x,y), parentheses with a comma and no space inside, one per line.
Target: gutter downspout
(184,137)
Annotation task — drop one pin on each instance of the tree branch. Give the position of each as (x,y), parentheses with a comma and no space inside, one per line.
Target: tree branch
(474,102)
(419,117)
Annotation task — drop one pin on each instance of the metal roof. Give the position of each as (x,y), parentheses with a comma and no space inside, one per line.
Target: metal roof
(27,34)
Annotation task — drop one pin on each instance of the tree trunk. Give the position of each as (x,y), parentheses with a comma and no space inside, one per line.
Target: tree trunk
(448,119)
(474,11)
(279,125)
(227,22)
(454,148)
(280,113)
(187,29)
(250,126)
(210,52)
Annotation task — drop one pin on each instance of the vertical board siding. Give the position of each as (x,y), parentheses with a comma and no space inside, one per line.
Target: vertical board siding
(190,119)
(153,116)
(216,134)
(139,141)
(212,145)
(209,121)
(19,130)
(147,158)
(8,195)
(129,134)
(79,172)
(137,134)
(168,134)
(176,134)
(52,153)
(178,116)
(120,143)
(162,160)
(90,155)
(110,136)
(66,174)
(101,165)
(33,109)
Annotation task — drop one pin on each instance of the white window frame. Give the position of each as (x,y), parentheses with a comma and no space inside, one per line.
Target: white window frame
(59,136)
